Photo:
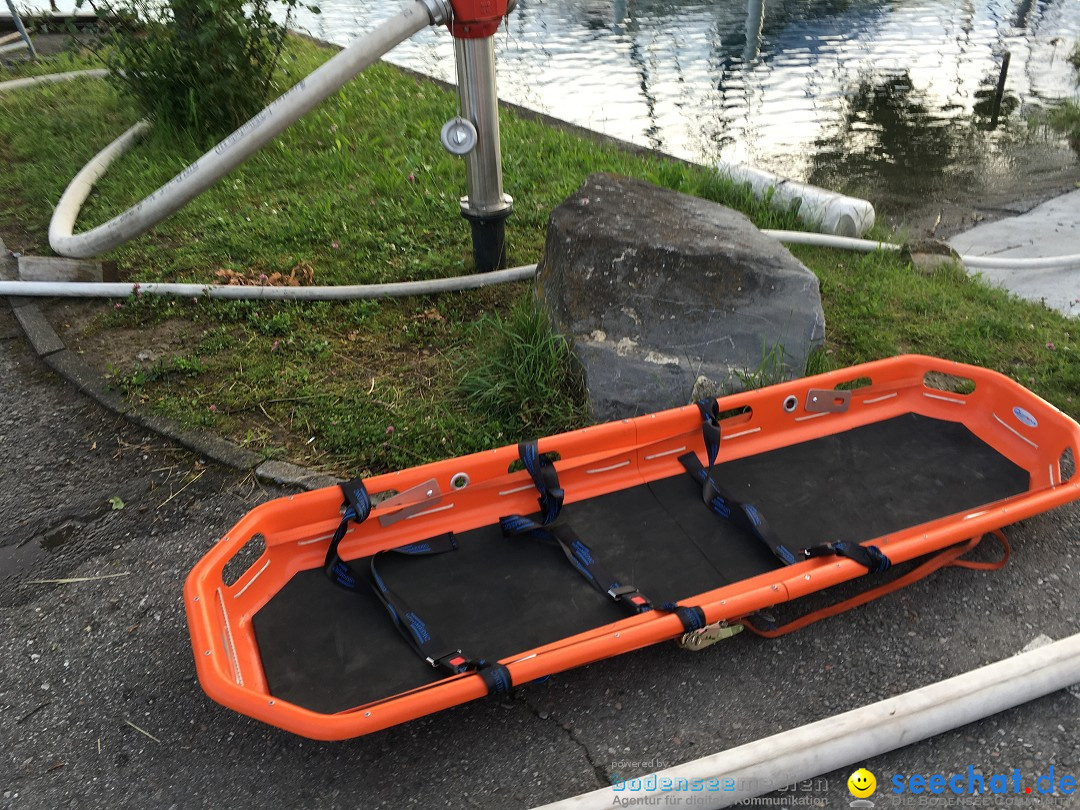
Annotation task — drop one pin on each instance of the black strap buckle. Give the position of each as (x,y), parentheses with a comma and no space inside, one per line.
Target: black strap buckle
(632,596)
(452,662)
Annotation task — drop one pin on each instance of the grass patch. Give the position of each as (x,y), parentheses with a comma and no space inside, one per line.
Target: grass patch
(878,306)
(521,376)
(362,191)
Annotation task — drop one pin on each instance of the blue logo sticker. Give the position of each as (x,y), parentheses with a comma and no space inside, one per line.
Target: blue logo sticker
(1025,417)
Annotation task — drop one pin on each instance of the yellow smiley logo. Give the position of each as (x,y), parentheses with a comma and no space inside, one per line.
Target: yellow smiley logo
(862,783)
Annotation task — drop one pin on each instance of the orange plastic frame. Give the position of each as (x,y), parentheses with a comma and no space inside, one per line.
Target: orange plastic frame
(597,460)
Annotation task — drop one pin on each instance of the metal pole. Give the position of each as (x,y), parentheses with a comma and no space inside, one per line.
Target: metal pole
(486,206)
(21,29)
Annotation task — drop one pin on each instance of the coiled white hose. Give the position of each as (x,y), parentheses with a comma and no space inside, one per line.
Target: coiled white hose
(228,154)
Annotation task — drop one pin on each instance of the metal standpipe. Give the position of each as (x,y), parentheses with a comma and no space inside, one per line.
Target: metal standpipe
(474,135)
(22,31)
(485,206)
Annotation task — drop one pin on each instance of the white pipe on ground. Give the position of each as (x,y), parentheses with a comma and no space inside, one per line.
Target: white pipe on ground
(399,289)
(853,737)
(232,151)
(11,48)
(827,211)
(52,78)
(828,240)
(1068,262)
(1071,262)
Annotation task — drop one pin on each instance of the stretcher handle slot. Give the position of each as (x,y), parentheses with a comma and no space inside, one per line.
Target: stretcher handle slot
(948,383)
(243,560)
(1066,465)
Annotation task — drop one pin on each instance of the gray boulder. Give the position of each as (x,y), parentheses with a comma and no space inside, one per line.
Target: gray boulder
(660,291)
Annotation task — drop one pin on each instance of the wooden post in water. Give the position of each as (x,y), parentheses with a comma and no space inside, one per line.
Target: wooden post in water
(1000,92)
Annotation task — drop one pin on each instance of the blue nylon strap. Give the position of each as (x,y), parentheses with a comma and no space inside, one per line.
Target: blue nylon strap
(412,627)
(496,677)
(415,630)
(433,545)
(710,427)
(419,634)
(745,516)
(544,478)
(579,555)
(357,499)
(691,616)
(357,509)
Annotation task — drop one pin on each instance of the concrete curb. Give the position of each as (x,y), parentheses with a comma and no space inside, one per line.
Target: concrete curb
(52,350)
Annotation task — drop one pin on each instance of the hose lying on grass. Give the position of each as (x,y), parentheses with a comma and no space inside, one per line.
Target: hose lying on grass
(341,292)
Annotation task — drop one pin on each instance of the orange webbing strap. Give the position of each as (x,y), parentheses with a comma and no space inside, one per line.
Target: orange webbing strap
(947,557)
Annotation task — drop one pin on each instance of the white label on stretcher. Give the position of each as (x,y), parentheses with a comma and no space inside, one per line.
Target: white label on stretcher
(1025,417)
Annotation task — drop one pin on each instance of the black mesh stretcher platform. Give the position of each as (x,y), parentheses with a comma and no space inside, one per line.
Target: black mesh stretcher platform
(696,516)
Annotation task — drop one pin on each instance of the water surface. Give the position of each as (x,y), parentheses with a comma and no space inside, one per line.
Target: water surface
(891,98)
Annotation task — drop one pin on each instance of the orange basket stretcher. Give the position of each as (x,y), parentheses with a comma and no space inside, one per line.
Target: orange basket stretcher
(391,598)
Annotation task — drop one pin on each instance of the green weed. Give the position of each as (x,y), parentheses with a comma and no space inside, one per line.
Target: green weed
(521,375)
(771,370)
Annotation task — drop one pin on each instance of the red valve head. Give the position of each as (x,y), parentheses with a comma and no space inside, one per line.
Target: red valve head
(475,19)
